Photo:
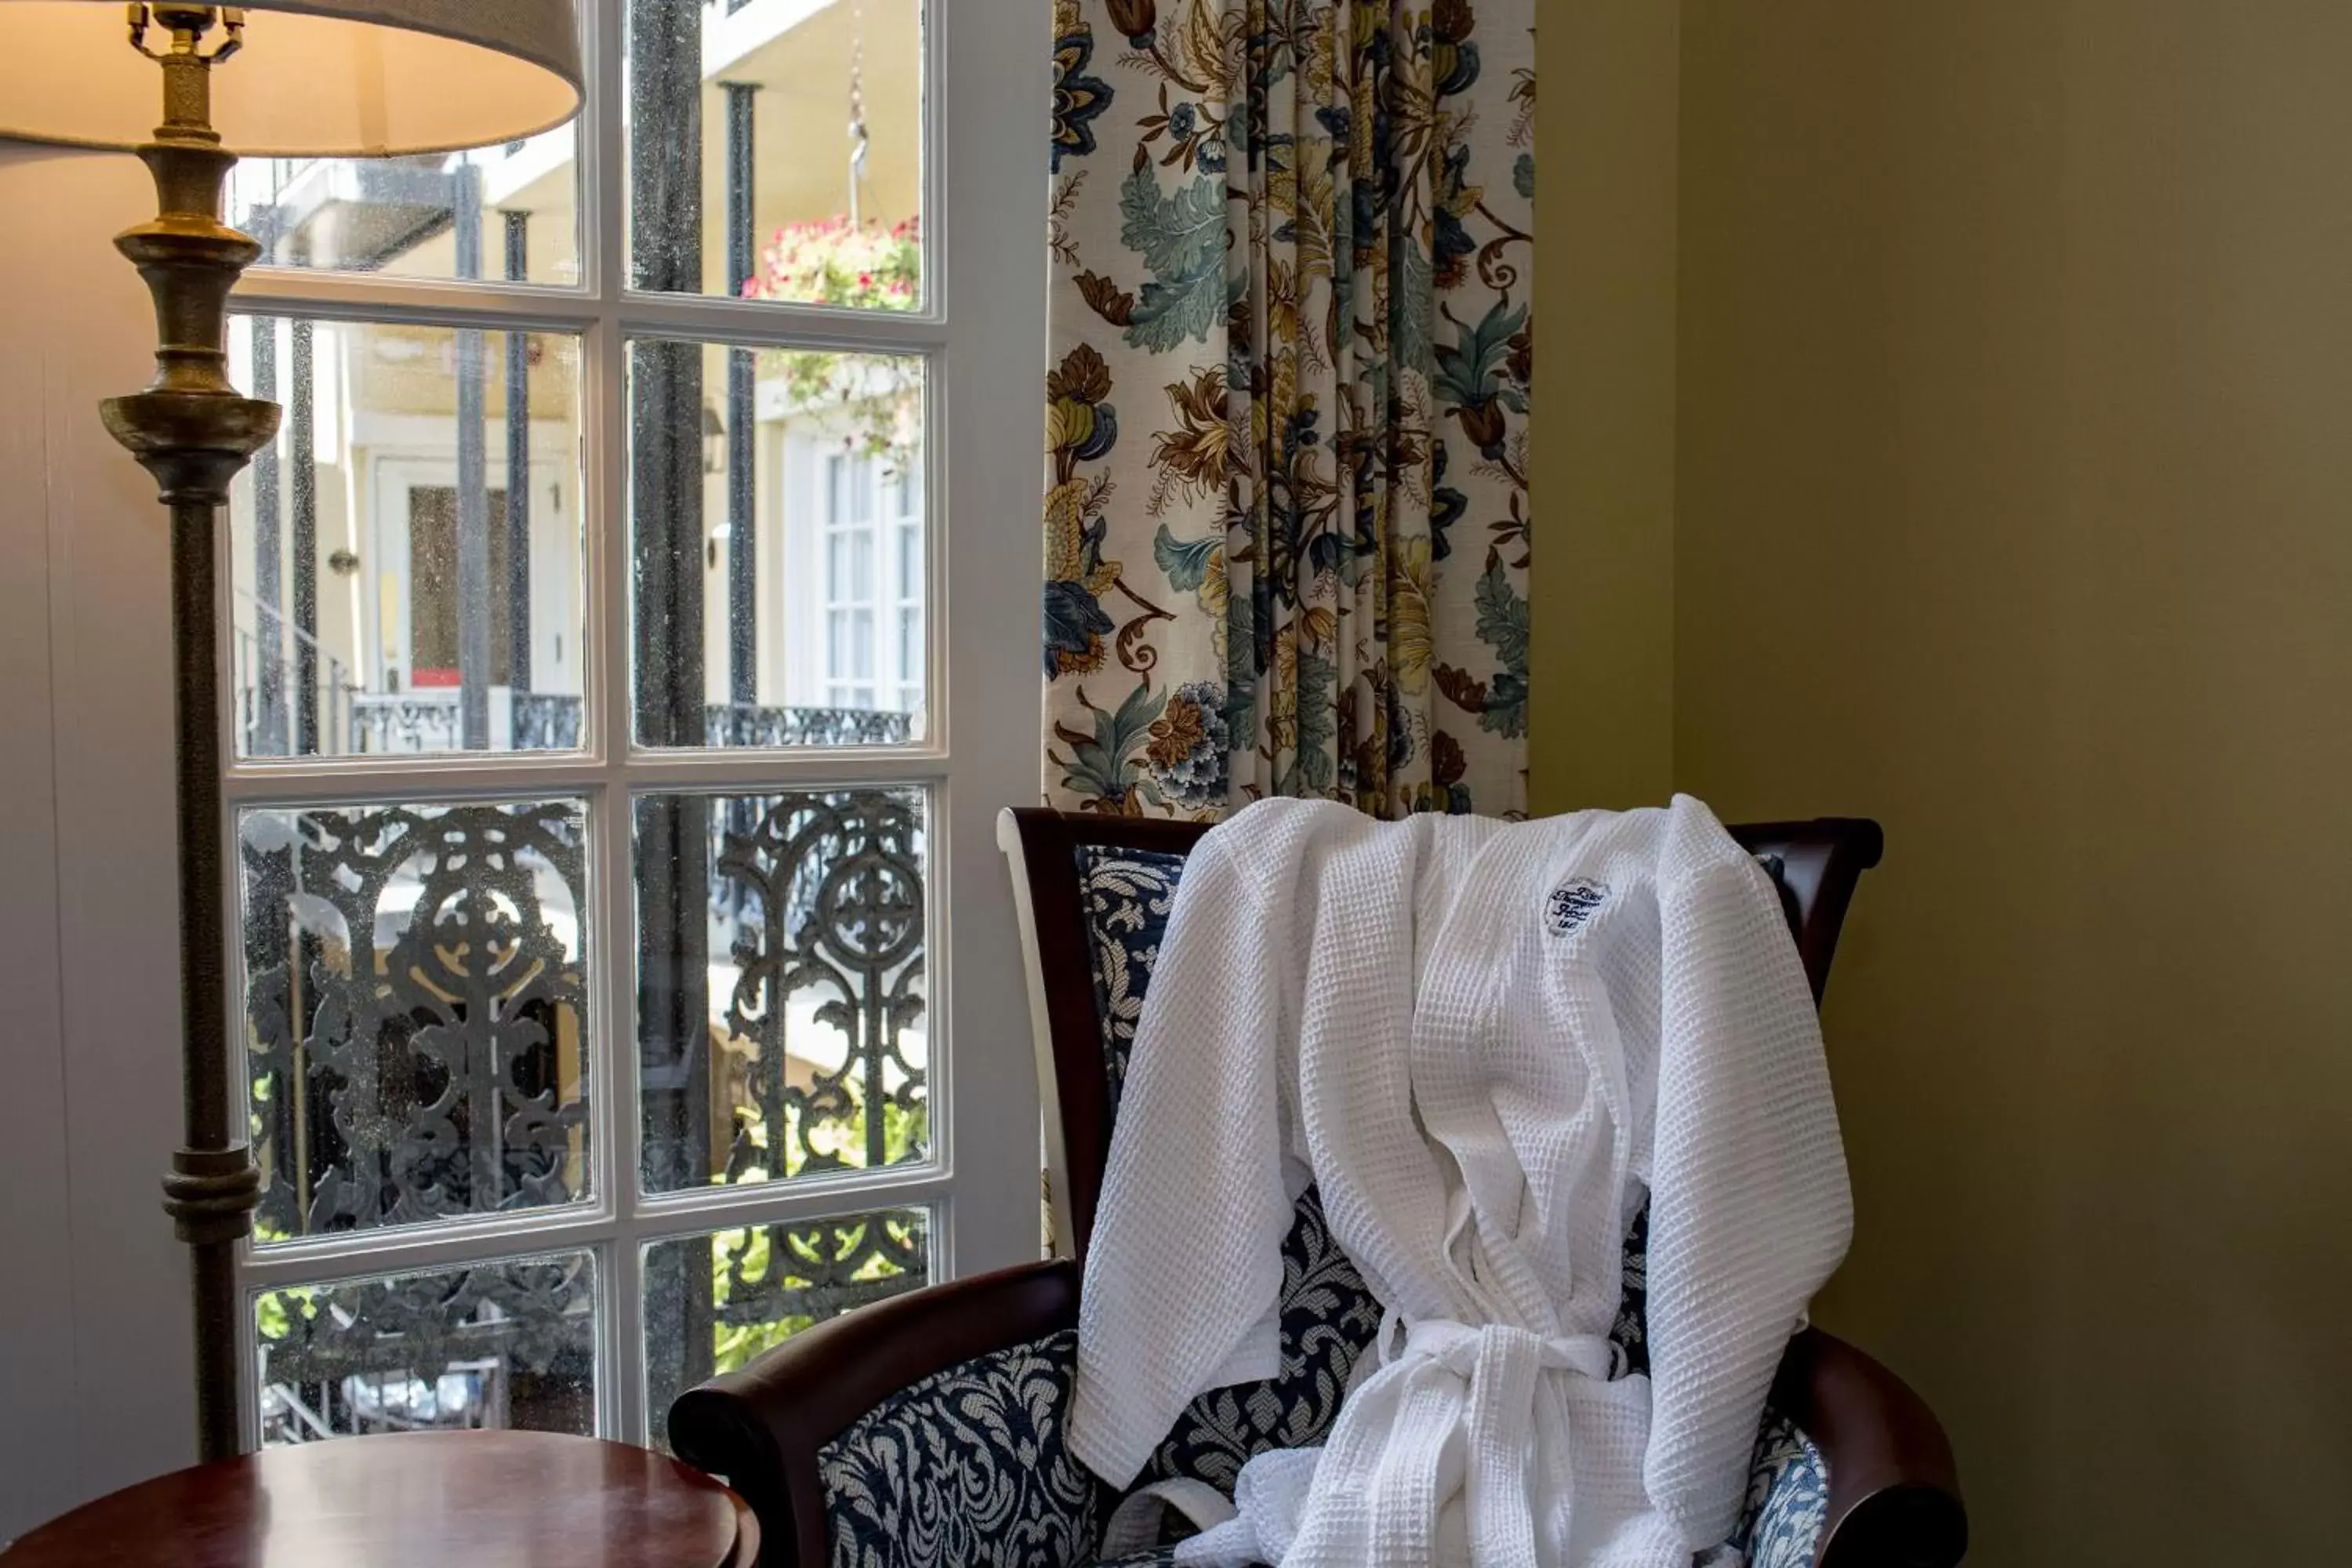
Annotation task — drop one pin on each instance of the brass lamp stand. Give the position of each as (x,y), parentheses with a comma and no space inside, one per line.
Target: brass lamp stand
(326,79)
(193,431)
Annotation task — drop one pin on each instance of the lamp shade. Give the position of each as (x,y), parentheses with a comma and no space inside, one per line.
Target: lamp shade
(316,77)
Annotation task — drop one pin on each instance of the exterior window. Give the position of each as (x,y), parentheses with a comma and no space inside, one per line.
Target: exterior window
(611,1003)
(873,603)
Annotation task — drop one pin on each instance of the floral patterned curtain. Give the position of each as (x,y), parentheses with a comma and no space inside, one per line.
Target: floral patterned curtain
(1287,522)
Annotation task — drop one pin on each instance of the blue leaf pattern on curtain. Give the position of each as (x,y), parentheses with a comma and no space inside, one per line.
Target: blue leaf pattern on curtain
(1287,525)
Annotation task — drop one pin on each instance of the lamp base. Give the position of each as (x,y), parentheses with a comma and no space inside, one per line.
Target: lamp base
(192,430)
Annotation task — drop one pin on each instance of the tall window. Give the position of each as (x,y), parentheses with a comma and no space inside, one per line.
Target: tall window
(872,612)
(622,969)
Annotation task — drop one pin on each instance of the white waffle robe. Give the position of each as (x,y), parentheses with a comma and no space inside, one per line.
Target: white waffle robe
(1488,1043)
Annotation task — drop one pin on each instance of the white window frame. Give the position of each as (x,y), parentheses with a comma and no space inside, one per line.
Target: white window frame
(982,330)
(905,597)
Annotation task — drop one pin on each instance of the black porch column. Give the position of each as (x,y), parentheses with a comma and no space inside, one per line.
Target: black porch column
(472,568)
(673,869)
(267,736)
(743,537)
(303,490)
(518,582)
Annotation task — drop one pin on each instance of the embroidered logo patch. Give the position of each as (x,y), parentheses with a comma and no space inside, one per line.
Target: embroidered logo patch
(1572,903)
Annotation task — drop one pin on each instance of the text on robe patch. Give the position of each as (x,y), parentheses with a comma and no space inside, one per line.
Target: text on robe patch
(1572,903)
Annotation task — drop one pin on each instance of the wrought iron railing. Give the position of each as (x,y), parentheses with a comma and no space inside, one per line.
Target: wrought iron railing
(401,724)
(747,724)
(417,1034)
(371,723)
(544,722)
(550,721)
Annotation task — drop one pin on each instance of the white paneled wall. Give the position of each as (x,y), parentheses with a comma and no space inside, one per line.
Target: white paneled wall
(94,1354)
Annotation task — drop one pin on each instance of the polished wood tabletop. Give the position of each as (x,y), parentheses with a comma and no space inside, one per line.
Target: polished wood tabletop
(416,1500)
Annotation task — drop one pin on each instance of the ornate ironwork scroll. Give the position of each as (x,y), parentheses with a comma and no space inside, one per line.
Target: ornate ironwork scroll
(416,1006)
(415,1014)
(750,1289)
(829,897)
(820,1270)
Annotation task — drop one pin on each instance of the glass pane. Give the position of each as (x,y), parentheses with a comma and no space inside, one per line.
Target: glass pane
(737,457)
(510,212)
(713,1302)
(395,587)
(861,644)
(861,563)
(509,1345)
(740,179)
(781,1023)
(910,562)
(439,1069)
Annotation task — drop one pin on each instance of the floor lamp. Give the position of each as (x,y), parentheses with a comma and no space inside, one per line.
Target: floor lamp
(311,79)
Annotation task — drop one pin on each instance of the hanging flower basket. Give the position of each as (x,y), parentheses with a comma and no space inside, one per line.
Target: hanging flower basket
(856,266)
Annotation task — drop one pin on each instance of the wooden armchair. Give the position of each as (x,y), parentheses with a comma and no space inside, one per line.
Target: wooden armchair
(927,1430)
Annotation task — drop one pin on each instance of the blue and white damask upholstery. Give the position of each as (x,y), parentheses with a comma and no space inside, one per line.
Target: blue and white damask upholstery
(1127,895)
(969,1467)
(1788,1498)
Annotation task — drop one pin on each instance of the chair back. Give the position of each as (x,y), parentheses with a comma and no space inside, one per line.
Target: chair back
(1814,864)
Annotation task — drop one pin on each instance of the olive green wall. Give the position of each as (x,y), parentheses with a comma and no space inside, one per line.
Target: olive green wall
(2011,504)
(1602,568)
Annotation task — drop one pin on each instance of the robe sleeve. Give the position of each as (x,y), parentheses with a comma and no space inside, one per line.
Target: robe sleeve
(1750,1211)
(1183,1271)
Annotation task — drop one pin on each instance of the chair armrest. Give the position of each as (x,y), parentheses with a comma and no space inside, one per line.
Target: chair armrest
(1895,1491)
(761,1427)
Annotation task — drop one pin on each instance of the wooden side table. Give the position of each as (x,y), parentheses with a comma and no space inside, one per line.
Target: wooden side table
(419,1499)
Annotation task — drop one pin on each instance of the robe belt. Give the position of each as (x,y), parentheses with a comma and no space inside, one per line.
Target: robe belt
(1503,1364)
(1461,1348)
